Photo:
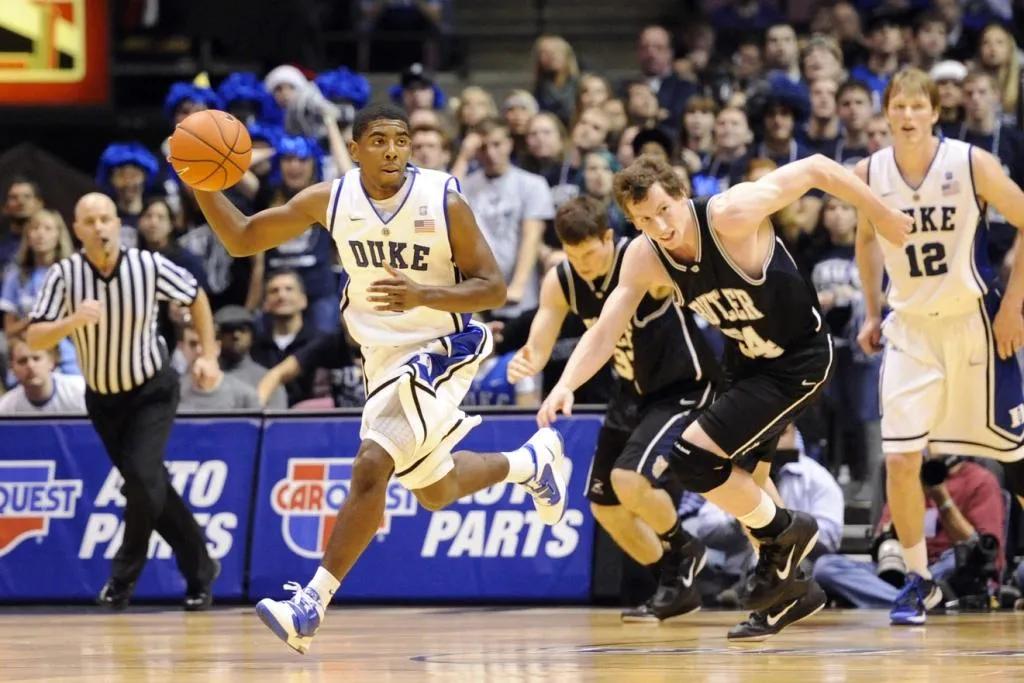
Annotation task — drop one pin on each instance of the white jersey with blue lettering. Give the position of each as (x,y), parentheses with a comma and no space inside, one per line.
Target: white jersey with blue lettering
(413,241)
(942,269)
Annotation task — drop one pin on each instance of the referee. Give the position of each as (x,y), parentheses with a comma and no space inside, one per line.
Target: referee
(105,297)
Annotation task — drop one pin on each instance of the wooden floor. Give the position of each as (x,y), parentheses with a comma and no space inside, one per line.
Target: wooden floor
(479,644)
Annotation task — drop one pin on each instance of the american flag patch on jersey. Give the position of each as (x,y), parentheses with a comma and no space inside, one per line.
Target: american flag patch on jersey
(423,225)
(952,187)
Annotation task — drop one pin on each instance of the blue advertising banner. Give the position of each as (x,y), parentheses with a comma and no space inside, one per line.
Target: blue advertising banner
(489,546)
(61,506)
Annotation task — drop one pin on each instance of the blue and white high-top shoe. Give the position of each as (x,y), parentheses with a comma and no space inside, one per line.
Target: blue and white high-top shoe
(547,485)
(294,621)
(913,602)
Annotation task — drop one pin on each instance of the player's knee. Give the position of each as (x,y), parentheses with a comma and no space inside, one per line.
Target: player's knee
(903,466)
(628,486)
(698,469)
(372,469)
(438,495)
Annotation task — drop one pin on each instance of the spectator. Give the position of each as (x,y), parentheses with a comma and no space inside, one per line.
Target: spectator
(696,135)
(822,58)
(593,91)
(431,148)
(957,40)
(555,76)
(475,105)
(747,70)
(931,39)
(968,502)
(214,392)
(417,90)
(624,154)
(546,142)
(517,110)
(781,52)
(599,169)
(21,202)
(511,206)
(333,354)
(642,109)
(40,389)
(879,134)
(45,241)
(851,399)
(125,171)
(284,303)
(285,83)
(783,109)
(654,55)
(884,42)
(654,142)
(184,99)
(245,97)
(732,139)
(428,118)
(590,134)
(997,54)
(156,227)
(982,127)
(948,77)
(236,328)
(737,19)
(615,110)
(821,134)
(297,166)
(855,109)
(847,28)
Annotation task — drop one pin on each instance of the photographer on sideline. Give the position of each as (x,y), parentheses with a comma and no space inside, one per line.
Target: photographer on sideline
(965,521)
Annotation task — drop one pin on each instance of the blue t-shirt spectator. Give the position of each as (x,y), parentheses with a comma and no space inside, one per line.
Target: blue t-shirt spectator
(17,296)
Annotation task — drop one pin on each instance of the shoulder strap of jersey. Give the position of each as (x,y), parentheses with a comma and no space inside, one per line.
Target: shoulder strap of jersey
(567,281)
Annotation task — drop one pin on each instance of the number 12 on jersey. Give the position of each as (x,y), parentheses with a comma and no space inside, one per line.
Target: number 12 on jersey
(932,258)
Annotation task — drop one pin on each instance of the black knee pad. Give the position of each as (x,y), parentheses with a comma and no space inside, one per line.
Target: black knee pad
(697,469)
(1014,473)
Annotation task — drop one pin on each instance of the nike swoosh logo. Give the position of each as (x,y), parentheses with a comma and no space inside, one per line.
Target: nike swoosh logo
(688,581)
(808,384)
(774,620)
(784,574)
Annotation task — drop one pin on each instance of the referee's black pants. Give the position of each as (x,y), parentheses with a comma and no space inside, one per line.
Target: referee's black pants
(134,426)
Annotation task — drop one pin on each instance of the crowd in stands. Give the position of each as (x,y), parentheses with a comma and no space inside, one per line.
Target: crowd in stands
(727,96)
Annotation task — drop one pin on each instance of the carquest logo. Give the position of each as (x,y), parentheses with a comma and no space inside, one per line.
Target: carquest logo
(30,497)
(310,496)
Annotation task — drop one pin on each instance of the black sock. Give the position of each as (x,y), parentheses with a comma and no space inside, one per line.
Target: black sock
(779,522)
(675,538)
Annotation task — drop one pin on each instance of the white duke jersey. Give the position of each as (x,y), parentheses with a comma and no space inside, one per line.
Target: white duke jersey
(943,268)
(414,241)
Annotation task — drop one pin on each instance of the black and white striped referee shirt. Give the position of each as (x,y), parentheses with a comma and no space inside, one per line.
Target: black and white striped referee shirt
(123,350)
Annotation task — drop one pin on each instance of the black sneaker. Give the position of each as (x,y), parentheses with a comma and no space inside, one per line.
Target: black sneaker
(779,561)
(115,594)
(641,614)
(677,593)
(766,623)
(200,597)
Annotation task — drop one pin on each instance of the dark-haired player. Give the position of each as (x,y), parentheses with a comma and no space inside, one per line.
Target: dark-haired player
(722,258)
(664,373)
(417,267)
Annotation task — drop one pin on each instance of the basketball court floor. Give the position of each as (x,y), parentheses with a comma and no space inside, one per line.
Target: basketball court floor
(500,644)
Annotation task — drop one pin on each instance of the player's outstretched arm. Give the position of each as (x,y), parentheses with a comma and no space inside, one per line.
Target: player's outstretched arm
(996,188)
(544,329)
(481,289)
(741,209)
(640,270)
(870,265)
(247,235)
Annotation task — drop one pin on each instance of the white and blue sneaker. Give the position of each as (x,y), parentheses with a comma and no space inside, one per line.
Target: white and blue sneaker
(294,621)
(547,485)
(913,602)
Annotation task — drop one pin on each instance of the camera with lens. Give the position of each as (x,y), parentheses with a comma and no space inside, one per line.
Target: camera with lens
(934,471)
(975,568)
(888,557)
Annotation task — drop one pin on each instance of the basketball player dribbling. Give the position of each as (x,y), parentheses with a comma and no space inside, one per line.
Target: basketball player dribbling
(721,257)
(417,265)
(950,381)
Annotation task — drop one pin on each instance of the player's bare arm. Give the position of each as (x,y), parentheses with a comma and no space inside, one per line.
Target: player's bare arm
(482,288)
(739,211)
(544,329)
(247,235)
(996,188)
(870,265)
(641,272)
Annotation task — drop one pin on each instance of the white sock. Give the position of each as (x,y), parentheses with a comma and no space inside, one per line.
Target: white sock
(325,585)
(520,465)
(761,516)
(916,557)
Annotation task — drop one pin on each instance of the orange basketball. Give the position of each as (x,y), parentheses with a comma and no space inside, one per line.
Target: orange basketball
(210,150)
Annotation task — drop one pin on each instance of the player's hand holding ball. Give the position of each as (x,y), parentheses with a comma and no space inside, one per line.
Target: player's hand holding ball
(210,150)
(395,294)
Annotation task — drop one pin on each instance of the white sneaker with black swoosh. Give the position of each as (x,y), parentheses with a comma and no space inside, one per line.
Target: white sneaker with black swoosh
(778,561)
(547,485)
(766,623)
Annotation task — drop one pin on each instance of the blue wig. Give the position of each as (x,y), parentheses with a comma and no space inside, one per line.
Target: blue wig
(342,84)
(245,86)
(124,154)
(183,91)
(439,98)
(301,147)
